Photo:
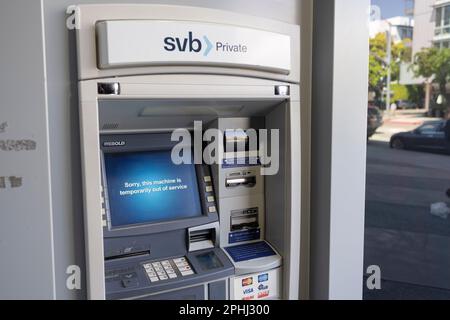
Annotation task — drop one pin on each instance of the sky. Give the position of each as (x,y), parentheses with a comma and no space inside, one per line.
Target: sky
(390,8)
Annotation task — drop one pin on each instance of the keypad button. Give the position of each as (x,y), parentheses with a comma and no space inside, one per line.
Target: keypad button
(166,269)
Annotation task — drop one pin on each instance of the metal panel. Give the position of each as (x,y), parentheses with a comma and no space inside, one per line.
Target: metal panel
(26,226)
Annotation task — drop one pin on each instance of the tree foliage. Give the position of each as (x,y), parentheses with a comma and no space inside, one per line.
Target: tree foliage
(377,60)
(434,64)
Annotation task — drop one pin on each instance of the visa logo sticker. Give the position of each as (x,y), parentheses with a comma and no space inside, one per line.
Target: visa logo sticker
(248,291)
(263,277)
(247,282)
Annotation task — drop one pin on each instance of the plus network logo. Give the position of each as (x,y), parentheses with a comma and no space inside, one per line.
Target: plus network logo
(188,44)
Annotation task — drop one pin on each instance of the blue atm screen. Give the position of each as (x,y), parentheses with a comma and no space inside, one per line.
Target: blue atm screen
(146,187)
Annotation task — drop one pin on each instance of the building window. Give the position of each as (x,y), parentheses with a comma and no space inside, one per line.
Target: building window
(442,20)
(442,44)
(446,19)
(438,17)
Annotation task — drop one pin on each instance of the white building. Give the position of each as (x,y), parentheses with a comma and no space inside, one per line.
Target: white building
(432,21)
(441,37)
(401,28)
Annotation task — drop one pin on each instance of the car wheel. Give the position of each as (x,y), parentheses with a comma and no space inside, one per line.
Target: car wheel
(397,144)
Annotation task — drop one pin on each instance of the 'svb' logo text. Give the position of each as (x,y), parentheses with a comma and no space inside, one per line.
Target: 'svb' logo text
(188,44)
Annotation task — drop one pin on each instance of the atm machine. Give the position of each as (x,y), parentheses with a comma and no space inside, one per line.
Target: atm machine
(156,228)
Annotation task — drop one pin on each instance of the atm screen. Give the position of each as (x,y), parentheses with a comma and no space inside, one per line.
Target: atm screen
(147,187)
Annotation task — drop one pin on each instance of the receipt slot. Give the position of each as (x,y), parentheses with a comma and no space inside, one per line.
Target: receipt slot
(159,229)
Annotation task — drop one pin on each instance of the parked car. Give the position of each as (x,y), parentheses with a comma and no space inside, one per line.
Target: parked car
(404,105)
(374,120)
(428,137)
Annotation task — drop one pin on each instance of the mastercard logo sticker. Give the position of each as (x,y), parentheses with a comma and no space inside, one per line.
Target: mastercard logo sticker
(247,282)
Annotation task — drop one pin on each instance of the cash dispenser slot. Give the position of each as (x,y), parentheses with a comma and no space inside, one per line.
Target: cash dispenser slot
(233,182)
(244,219)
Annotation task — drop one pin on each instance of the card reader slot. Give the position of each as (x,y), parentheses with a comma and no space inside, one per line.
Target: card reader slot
(128,255)
(240,181)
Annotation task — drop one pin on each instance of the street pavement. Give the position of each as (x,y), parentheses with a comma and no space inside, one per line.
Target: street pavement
(398,122)
(411,246)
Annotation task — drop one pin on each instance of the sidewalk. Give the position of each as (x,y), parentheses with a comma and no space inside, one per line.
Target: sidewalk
(400,121)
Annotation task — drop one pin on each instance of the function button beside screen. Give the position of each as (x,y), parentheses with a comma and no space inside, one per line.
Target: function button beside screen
(207,178)
(209,188)
(210,199)
(212,209)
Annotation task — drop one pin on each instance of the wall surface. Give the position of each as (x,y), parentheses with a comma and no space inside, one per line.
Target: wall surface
(424,22)
(63,117)
(26,243)
(339,99)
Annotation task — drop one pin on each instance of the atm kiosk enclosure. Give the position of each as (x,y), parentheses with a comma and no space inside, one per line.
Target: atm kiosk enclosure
(132,97)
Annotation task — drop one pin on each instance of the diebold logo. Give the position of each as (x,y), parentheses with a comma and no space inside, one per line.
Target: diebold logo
(203,45)
(114,143)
